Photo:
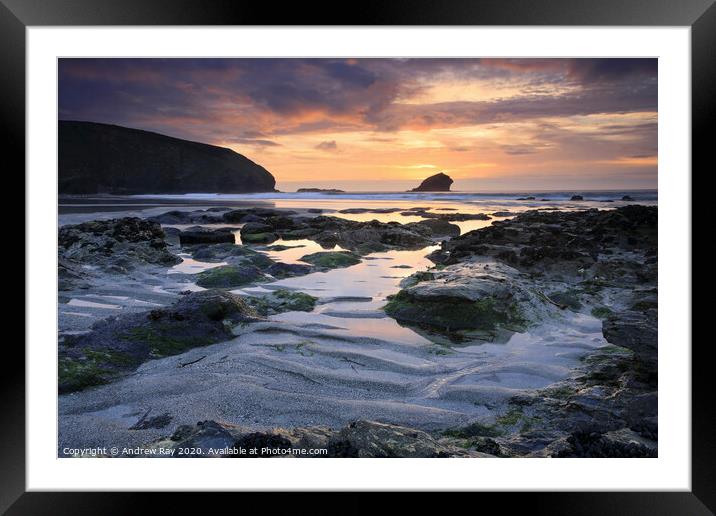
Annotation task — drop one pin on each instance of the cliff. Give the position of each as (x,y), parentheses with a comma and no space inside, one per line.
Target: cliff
(100,158)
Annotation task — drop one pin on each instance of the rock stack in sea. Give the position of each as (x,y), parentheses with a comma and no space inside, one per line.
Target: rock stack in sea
(439,182)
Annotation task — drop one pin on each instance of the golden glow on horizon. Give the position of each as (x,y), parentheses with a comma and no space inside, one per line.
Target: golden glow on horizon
(488,122)
(548,145)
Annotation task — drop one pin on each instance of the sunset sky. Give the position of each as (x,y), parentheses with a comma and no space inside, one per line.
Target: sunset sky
(385,124)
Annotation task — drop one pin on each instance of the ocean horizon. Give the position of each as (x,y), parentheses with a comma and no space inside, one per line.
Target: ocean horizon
(547,195)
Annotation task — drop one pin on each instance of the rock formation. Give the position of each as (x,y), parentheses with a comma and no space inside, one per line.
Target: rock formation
(440,182)
(100,158)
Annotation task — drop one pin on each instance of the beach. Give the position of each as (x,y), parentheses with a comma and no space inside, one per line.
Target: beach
(323,341)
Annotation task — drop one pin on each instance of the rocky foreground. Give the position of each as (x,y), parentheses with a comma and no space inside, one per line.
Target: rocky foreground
(539,270)
(511,274)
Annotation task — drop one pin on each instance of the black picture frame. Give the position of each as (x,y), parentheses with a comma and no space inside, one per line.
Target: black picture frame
(17,15)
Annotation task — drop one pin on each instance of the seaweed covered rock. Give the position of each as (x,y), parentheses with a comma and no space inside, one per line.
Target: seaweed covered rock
(117,345)
(232,254)
(264,226)
(622,443)
(474,295)
(287,270)
(117,245)
(199,235)
(566,242)
(366,439)
(229,276)
(70,275)
(331,259)
(360,439)
(435,227)
(637,331)
(282,300)
(188,217)
(447,217)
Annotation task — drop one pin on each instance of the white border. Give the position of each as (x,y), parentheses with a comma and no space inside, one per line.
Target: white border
(671,471)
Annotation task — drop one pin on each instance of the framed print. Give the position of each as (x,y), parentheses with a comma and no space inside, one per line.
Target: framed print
(454,237)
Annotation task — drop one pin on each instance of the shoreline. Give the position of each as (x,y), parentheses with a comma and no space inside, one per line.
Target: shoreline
(386,364)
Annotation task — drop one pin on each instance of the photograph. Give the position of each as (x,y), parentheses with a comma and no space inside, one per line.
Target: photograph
(369,257)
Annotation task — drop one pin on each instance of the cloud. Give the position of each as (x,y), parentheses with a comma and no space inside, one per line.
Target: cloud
(327,146)
(517,150)
(260,143)
(206,99)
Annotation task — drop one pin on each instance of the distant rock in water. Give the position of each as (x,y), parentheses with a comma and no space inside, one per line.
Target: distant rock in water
(440,182)
(576,198)
(319,190)
(100,158)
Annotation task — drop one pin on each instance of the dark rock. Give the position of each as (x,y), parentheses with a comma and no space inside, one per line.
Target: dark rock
(206,236)
(100,158)
(258,238)
(466,298)
(434,228)
(448,216)
(566,298)
(251,218)
(235,216)
(70,276)
(369,210)
(211,436)
(593,444)
(117,245)
(576,198)
(255,227)
(439,182)
(229,276)
(382,440)
(220,252)
(331,259)
(627,198)
(146,422)
(568,241)
(282,300)
(232,254)
(357,439)
(287,270)
(261,232)
(262,442)
(637,331)
(187,217)
(319,190)
(117,345)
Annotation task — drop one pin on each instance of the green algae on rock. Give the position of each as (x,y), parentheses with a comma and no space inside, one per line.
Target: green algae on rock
(228,276)
(331,259)
(116,346)
(451,313)
(282,300)
(259,238)
(93,368)
(475,295)
(362,438)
